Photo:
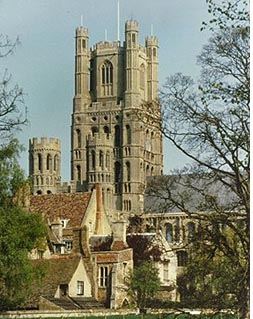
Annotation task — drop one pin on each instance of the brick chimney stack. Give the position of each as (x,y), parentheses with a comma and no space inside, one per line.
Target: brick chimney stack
(119,235)
(98,225)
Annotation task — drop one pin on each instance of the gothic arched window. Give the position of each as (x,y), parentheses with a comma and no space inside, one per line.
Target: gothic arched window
(49,162)
(94,130)
(169,233)
(117,138)
(31,162)
(107,73)
(117,177)
(142,76)
(78,169)
(79,138)
(101,159)
(191,230)
(56,162)
(93,159)
(128,171)
(39,162)
(107,159)
(106,131)
(128,133)
(107,78)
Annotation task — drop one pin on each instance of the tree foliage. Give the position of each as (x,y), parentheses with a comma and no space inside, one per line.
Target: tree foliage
(13,113)
(144,283)
(20,231)
(208,121)
(143,249)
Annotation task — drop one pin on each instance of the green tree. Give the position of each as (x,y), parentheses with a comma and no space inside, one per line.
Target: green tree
(208,122)
(144,283)
(20,231)
(13,113)
(144,249)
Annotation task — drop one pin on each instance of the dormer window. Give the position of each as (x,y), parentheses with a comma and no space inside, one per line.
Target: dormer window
(64,223)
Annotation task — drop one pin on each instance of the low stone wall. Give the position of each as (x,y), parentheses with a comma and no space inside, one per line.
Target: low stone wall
(64,314)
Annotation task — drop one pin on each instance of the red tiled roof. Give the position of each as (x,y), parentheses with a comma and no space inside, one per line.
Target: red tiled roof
(65,206)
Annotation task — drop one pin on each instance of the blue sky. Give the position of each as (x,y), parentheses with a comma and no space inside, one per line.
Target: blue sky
(43,64)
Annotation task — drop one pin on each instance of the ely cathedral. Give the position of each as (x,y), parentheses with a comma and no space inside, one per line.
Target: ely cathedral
(116,145)
(110,144)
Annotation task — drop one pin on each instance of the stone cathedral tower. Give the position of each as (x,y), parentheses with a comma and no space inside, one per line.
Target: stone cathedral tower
(109,143)
(44,165)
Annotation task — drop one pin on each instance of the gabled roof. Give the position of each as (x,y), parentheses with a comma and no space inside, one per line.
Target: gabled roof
(58,271)
(64,206)
(197,192)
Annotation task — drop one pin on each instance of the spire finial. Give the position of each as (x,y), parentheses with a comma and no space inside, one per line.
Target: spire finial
(81,20)
(118,27)
(152,29)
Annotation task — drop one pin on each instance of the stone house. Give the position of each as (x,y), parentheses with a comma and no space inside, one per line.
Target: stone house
(73,221)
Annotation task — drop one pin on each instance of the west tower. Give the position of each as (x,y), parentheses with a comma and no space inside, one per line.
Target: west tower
(44,165)
(109,143)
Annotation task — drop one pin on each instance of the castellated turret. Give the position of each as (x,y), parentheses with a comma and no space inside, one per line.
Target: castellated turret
(44,165)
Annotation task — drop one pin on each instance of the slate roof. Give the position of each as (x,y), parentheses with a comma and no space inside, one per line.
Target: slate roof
(65,206)
(196,198)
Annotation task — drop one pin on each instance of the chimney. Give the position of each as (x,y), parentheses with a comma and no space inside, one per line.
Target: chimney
(119,235)
(56,227)
(80,241)
(98,224)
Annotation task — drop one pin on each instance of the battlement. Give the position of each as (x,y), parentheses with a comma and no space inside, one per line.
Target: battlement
(82,32)
(131,25)
(151,41)
(106,45)
(44,142)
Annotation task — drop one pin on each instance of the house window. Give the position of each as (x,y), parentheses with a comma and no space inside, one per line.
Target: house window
(166,272)
(181,258)
(103,276)
(68,245)
(80,288)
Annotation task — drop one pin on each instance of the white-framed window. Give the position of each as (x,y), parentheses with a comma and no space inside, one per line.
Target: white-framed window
(103,276)
(80,288)
(166,272)
(64,222)
(68,245)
